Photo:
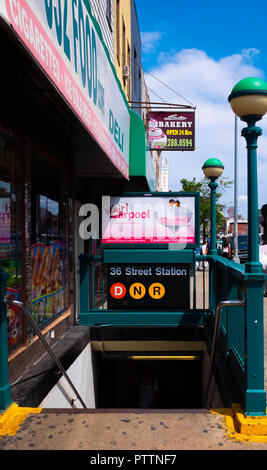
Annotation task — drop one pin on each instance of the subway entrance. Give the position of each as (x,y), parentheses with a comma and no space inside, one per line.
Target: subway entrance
(169,381)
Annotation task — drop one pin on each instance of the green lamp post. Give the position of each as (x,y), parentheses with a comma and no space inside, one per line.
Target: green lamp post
(213,169)
(248,100)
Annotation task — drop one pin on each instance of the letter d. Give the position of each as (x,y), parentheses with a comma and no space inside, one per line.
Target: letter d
(118,290)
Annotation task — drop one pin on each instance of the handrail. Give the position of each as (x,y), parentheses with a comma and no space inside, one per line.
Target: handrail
(46,345)
(225,303)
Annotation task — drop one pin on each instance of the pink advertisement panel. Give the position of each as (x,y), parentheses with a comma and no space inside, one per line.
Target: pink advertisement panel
(166,219)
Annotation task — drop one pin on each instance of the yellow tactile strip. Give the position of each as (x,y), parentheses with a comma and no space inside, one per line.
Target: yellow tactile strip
(13,417)
(243,428)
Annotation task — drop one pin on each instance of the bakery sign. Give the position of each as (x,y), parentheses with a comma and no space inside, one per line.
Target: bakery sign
(171,130)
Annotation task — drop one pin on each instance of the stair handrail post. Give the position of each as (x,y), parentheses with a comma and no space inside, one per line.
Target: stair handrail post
(5,389)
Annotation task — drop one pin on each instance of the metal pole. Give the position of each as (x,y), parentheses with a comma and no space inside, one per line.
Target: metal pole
(236,257)
(213,186)
(251,134)
(47,347)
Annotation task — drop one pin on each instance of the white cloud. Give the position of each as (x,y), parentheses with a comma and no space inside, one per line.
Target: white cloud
(250,53)
(207,83)
(150,40)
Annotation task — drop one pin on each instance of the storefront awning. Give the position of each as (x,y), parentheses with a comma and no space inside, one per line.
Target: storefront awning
(141,165)
(71,52)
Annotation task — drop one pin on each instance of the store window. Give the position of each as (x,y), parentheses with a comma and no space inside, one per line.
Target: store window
(49,242)
(98,275)
(48,219)
(11,154)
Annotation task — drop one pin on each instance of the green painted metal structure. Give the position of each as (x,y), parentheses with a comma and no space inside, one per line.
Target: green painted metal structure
(240,355)
(5,392)
(251,134)
(240,358)
(241,340)
(141,168)
(240,352)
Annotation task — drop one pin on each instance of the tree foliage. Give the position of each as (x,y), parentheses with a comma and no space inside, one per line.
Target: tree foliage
(202,187)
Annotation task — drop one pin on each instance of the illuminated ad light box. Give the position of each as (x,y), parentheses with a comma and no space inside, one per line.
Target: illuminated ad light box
(157,218)
(171,130)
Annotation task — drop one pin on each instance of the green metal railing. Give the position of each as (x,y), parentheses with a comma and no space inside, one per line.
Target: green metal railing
(239,357)
(239,354)
(241,330)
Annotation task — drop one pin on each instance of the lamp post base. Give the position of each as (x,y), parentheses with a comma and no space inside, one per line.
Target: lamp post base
(5,398)
(253,267)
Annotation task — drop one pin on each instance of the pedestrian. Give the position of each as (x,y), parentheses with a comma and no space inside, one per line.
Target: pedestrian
(148,389)
(204,252)
(226,248)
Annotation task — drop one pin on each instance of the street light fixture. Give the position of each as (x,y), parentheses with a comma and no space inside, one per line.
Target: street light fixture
(248,100)
(213,169)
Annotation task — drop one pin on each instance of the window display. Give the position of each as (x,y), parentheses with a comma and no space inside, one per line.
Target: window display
(10,229)
(49,262)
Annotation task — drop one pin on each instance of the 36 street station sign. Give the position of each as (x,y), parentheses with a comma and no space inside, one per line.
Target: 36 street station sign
(150,287)
(171,130)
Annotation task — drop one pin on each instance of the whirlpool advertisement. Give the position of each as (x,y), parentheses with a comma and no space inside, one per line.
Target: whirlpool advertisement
(156,219)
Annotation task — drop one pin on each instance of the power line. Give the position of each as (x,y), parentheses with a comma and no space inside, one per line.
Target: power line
(134,75)
(155,93)
(169,87)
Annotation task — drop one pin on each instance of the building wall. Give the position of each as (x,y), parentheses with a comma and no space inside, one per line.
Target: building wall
(123,41)
(61,395)
(103,11)
(242,227)
(137,79)
(37,185)
(164,175)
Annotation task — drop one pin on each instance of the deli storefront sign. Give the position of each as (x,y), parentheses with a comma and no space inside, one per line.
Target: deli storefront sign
(171,131)
(62,37)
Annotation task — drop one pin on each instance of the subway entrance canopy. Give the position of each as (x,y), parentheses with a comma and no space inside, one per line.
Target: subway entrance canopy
(149,259)
(149,242)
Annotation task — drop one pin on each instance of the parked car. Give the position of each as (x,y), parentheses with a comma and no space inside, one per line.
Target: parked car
(242,247)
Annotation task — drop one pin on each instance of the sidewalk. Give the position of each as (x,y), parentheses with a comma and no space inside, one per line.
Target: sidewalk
(127,430)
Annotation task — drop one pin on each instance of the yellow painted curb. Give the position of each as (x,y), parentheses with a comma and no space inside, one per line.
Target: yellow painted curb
(13,417)
(243,428)
(256,425)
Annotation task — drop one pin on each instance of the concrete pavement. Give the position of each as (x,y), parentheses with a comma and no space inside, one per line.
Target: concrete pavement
(126,430)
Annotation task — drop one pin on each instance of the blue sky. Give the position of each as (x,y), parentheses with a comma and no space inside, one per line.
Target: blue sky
(201,50)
